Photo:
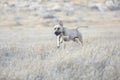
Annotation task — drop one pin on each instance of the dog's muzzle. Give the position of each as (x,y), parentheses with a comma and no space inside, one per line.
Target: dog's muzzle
(57,33)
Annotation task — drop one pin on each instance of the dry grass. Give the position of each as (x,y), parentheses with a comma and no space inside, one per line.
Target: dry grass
(31,54)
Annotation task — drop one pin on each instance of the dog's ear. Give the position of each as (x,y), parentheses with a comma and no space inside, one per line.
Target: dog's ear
(61,23)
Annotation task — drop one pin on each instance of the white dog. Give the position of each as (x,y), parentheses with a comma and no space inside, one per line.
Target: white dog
(64,34)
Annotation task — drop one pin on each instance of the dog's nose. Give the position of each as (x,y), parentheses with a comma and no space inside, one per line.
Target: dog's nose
(57,33)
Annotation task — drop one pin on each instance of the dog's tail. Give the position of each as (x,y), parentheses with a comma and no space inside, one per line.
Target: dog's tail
(82,27)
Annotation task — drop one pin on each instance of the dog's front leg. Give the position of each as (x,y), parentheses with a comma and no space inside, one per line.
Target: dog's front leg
(58,41)
(61,39)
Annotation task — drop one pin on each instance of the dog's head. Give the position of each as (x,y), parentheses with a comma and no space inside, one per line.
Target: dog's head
(58,28)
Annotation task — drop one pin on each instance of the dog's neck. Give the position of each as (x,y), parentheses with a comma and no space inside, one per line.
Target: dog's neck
(63,32)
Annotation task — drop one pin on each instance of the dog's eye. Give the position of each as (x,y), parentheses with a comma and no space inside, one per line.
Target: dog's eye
(54,28)
(58,28)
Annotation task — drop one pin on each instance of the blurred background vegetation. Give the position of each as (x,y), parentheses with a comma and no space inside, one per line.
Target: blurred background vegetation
(45,13)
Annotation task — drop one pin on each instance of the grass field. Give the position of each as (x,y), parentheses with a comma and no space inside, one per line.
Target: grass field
(31,54)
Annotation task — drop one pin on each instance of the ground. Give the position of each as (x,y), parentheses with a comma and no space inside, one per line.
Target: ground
(31,54)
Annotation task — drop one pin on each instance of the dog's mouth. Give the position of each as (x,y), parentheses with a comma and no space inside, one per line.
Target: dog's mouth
(57,33)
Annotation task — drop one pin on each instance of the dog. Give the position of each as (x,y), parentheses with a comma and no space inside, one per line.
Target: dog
(64,34)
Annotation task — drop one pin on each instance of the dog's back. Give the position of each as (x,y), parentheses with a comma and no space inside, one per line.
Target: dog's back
(72,33)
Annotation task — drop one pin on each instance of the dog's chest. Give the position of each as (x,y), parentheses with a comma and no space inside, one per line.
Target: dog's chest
(66,38)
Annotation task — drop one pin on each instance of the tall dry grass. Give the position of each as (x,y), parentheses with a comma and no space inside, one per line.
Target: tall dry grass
(31,54)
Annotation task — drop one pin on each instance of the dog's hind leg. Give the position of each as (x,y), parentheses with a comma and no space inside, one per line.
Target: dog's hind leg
(76,40)
(80,38)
